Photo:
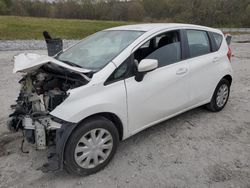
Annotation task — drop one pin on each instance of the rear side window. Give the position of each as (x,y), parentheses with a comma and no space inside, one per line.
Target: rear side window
(218,40)
(198,42)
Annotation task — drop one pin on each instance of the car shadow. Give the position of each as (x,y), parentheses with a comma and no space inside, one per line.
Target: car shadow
(171,128)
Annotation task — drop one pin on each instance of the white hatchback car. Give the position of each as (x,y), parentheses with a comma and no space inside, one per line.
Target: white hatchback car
(114,84)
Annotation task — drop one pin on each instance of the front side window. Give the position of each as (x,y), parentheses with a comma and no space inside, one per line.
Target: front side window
(198,42)
(166,48)
(99,49)
(120,73)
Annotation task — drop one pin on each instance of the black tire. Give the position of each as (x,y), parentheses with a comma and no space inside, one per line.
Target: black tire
(70,164)
(212,106)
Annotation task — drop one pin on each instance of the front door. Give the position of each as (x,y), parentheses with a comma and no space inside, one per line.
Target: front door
(162,92)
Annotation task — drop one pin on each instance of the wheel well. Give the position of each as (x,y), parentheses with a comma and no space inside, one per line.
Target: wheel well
(112,117)
(228,78)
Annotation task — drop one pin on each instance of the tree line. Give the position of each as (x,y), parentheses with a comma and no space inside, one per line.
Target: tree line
(219,13)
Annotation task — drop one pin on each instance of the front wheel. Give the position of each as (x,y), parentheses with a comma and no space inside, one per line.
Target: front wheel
(220,96)
(91,146)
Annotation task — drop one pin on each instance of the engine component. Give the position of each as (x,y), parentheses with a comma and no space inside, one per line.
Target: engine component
(30,136)
(34,132)
(42,91)
(40,136)
(14,124)
(56,97)
(28,123)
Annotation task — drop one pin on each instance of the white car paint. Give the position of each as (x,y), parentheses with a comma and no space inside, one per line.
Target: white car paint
(147,65)
(163,93)
(160,97)
(89,99)
(27,62)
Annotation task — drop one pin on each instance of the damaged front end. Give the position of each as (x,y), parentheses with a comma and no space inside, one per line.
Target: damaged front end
(45,84)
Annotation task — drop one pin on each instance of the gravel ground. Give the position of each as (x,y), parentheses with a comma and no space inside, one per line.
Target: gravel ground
(195,149)
(12,45)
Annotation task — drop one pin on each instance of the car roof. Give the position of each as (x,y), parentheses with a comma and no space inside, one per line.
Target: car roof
(160,26)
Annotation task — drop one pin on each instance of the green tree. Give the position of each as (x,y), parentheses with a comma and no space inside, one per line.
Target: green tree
(135,11)
(5,6)
(246,19)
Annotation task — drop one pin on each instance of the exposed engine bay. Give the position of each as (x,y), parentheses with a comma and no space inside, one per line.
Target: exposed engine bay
(42,90)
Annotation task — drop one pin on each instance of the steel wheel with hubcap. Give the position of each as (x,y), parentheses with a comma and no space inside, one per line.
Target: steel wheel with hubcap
(91,146)
(220,96)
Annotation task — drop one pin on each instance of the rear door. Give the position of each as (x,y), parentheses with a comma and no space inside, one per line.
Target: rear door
(203,67)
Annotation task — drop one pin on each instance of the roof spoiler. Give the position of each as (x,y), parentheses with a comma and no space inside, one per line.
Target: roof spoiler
(228,38)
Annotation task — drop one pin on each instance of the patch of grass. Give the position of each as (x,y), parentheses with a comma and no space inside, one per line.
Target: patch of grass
(15,27)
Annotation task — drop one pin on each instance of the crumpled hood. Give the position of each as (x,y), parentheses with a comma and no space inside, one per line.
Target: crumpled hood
(27,62)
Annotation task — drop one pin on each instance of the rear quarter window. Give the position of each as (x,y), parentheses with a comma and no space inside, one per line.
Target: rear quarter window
(218,40)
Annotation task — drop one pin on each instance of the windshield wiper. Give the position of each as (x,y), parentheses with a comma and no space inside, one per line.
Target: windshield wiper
(70,63)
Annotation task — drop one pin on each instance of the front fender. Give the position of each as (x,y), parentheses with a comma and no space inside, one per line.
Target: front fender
(94,99)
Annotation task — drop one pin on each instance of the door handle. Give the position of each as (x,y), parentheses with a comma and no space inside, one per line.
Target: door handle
(181,71)
(216,59)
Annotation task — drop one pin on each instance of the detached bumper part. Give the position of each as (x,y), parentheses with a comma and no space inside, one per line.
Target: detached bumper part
(52,165)
(56,157)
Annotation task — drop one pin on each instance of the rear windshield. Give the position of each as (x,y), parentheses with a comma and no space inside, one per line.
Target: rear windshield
(218,40)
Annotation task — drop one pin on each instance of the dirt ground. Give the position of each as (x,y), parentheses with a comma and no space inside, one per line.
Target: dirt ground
(195,149)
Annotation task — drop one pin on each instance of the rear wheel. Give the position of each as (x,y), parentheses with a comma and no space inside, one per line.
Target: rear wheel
(220,96)
(91,146)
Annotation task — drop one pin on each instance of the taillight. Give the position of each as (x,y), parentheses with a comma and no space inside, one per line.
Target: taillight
(229,54)
(229,39)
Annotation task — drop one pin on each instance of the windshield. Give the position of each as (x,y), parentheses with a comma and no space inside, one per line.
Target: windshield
(99,49)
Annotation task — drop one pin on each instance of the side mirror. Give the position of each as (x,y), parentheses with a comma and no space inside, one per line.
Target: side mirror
(146,65)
